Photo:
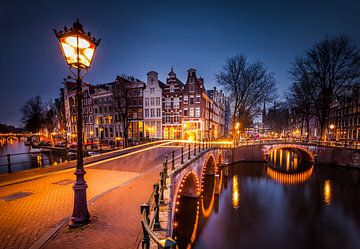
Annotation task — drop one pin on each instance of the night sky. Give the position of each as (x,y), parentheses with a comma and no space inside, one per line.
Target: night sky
(140,36)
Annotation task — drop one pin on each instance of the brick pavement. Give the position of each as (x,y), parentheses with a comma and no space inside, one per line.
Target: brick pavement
(115,219)
(24,220)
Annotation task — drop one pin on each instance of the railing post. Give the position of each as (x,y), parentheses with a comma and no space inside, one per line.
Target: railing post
(145,244)
(156,208)
(189,152)
(165,168)
(9,163)
(162,202)
(182,155)
(203,144)
(173,160)
(195,149)
(199,147)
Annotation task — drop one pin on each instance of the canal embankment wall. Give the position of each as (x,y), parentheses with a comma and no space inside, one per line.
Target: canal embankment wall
(345,157)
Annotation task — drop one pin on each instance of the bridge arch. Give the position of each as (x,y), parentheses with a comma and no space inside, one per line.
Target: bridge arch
(209,166)
(310,155)
(189,185)
(220,158)
(13,138)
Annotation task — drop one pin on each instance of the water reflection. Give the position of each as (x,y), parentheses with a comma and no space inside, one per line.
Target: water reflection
(235,191)
(273,215)
(24,160)
(297,169)
(327,192)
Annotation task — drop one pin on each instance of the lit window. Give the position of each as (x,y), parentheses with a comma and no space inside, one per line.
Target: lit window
(197,112)
(176,102)
(191,114)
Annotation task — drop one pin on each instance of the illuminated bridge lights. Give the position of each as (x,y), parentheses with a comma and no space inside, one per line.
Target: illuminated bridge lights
(295,178)
(294,146)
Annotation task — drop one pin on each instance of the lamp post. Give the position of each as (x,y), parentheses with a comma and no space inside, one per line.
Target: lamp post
(101,137)
(78,49)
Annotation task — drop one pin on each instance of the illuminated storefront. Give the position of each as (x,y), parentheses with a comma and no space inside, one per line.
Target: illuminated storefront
(193,130)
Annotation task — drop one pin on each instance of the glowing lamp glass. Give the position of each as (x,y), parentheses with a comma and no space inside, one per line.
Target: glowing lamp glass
(77,50)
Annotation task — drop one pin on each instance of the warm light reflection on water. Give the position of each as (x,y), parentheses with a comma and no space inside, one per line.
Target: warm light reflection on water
(327,192)
(235,192)
(274,214)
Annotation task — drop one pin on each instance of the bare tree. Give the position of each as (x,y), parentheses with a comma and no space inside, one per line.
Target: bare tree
(248,85)
(33,114)
(277,117)
(325,71)
(300,105)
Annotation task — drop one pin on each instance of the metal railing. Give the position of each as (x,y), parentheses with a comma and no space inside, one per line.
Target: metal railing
(174,159)
(40,161)
(149,226)
(337,144)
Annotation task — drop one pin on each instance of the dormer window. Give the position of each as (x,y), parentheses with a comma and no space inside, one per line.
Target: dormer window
(171,88)
(191,88)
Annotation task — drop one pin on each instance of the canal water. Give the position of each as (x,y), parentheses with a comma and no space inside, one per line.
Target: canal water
(21,158)
(288,203)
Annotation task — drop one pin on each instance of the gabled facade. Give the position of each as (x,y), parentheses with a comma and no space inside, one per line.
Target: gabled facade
(195,104)
(69,102)
(153,106)
(216,113)
(103,113)
(172,106)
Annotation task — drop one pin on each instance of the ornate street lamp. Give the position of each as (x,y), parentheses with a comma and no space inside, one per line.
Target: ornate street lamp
(78,49)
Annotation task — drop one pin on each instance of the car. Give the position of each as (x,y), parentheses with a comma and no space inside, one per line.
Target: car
(44,143)
(61,144)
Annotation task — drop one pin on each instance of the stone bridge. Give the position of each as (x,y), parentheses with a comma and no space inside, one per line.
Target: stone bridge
(346,157)
(187,179)
(7,136)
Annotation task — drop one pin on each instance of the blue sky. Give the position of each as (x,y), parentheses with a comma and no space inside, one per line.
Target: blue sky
(140,36)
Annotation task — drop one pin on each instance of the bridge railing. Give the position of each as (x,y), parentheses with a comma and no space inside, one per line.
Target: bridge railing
(339,144)
(173,160)
(151,225)
(190,150)
(17,159)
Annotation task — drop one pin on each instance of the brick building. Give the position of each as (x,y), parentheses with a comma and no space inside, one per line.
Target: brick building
(345,116)
(172,107)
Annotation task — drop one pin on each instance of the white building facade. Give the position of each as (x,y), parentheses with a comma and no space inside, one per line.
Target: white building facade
(153,106)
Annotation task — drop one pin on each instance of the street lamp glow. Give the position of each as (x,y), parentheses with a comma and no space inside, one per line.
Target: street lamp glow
(332,126)
(78,48)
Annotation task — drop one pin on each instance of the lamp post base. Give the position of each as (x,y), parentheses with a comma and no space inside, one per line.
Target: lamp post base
(80,214)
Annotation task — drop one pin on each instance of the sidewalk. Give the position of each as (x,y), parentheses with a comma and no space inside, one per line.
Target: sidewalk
(30,209)
(115,220)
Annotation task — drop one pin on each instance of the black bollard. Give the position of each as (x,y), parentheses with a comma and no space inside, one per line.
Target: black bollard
(9,163)
(156,208)
(189,153)
(182,155)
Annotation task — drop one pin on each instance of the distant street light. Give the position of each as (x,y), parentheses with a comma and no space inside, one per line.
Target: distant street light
(78,49)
